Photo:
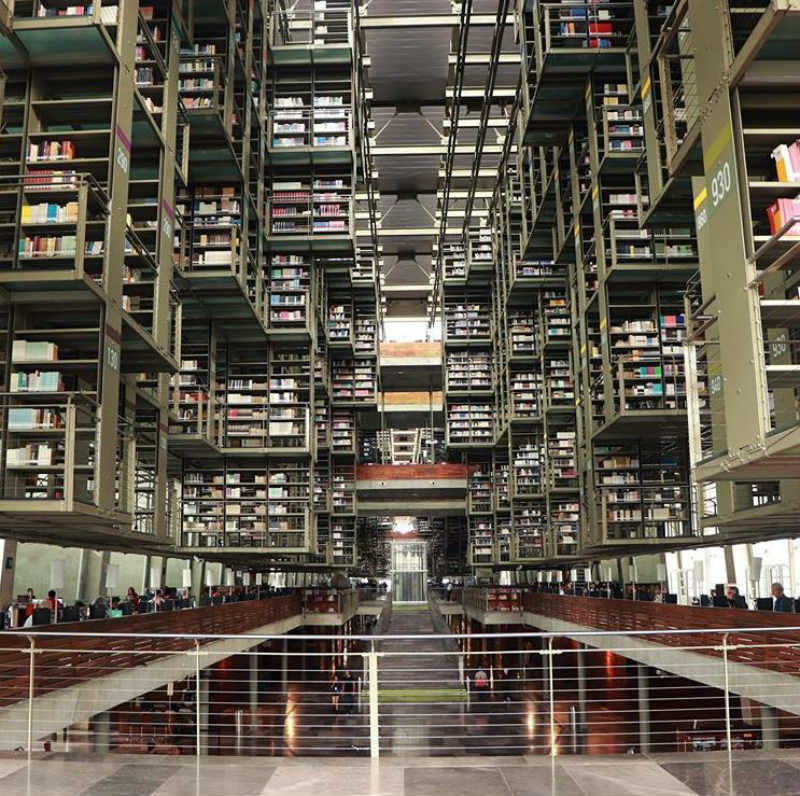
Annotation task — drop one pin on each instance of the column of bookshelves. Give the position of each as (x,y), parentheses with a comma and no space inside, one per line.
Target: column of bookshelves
(193,403)
(291,395)
(289,294)
(480,509)
(12,156)
(291,492)
(469,388)
(68,212)
(343,516)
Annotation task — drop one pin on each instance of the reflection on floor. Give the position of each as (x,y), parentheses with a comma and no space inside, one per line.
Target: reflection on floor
(754,774)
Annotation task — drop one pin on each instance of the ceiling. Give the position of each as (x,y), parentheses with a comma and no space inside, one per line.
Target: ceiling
(409,74)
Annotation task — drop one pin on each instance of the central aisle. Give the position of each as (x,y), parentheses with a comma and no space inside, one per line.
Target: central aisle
(416,664)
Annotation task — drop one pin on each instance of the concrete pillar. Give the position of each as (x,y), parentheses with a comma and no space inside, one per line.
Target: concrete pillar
(198,578)
(8,560)
(582,712)
(643,691)
(770,735)
(203,703)
(253,671)
(284,665)
(102,733)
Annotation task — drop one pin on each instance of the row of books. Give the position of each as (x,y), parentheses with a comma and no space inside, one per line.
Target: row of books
(50,213)
(56,246)
(33,351)
(51,150)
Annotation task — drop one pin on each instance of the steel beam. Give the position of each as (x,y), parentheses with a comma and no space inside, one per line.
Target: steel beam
(428,20)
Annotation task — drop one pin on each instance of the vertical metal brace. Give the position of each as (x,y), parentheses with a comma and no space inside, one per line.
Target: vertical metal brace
(551,697)
(372,668)
(197,700)
(727,709)
(31,674)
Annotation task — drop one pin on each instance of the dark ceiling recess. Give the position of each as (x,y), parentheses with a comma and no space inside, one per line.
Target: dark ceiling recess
(409,75)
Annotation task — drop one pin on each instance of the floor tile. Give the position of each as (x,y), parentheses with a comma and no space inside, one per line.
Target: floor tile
(453,781)
(750,777)
(358,779)
(540,781)
(627,778)
(55,779)
(130,780)
(233,779)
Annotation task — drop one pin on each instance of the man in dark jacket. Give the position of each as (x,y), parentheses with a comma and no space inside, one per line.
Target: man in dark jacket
(734,599)
(780,602)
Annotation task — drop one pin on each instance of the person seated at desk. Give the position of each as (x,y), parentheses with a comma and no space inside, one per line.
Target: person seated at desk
(732,599)
(205,597)
(53,603)
(115,609)
(132,597)
(158,600)
(780,602)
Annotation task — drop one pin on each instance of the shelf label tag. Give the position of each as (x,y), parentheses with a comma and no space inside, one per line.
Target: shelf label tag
(123,150)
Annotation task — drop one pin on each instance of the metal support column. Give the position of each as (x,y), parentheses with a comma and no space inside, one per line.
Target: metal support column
(770,734)
(643,693)
(582,713)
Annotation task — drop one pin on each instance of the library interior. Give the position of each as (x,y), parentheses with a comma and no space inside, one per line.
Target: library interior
(366,423)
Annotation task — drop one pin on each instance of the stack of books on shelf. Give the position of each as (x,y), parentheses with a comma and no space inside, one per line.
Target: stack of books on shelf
(467,321)
(527,463)
(470,423)
(366,333)
(343,435)
(33,351)
(37,381)
(50,213)
(526,393)
(340,323)
(562,458)
(468,371)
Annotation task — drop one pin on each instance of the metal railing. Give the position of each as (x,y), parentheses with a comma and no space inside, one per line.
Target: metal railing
(566,691)
(303,28)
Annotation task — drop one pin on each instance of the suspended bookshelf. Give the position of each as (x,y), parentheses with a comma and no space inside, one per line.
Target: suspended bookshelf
(527,463)
(354,381)
(343,487)
(468,372)
(470,424)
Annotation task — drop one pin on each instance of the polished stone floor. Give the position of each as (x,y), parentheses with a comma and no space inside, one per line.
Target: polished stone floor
(55,774)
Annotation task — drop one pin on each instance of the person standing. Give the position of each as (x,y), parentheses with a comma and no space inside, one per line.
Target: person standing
(481,683)
(349,691)
(336,692)
(780,602)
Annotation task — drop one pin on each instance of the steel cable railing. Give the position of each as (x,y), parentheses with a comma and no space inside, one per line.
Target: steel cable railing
(567,691)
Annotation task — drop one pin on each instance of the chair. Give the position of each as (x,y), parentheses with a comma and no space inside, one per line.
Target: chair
(671,599)
(69,613)
(127,609)
(764,604)
(41,616)
(97,611)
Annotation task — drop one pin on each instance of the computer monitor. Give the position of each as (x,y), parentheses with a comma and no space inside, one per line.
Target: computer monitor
(69,613)
(97,612)
(764,604)
(41,616)
(671,599)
